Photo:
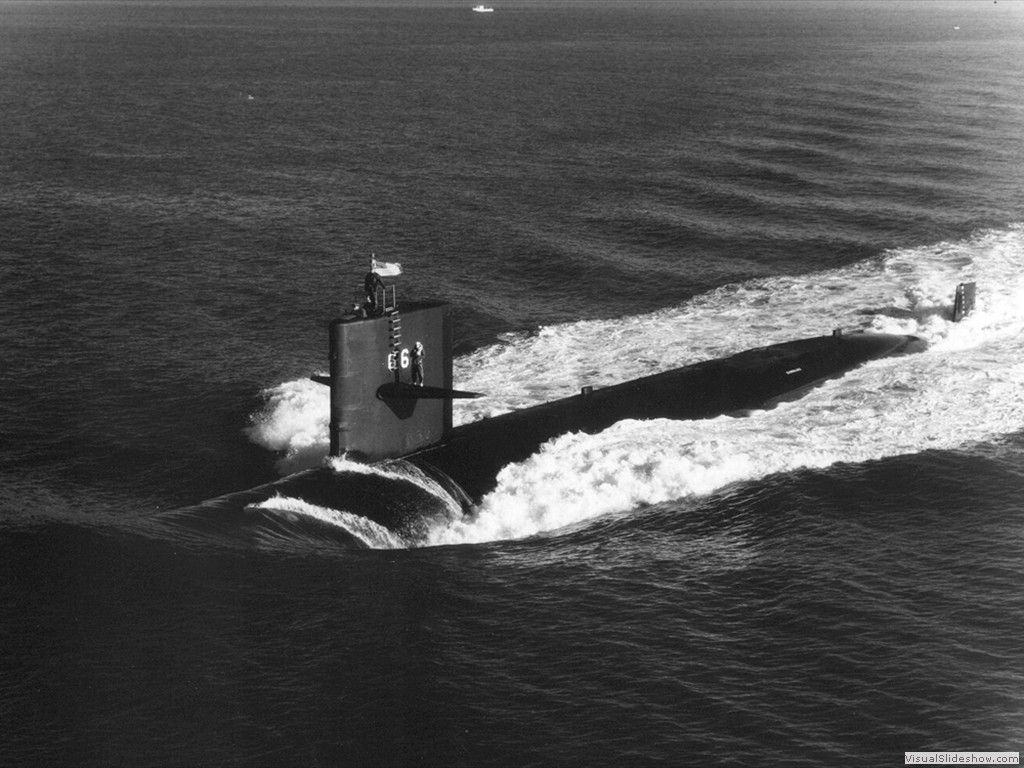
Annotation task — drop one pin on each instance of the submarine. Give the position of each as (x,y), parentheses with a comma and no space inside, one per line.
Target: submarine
(392,395)
(390,401)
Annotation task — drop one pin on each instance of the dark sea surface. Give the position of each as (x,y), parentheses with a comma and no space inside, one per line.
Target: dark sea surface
(189,192)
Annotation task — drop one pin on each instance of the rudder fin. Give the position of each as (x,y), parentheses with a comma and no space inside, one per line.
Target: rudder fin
(963,304)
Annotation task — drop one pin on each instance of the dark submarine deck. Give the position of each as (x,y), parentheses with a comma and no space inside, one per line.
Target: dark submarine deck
(474,453)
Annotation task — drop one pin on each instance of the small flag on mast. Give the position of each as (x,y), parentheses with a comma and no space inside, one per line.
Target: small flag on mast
(385,268)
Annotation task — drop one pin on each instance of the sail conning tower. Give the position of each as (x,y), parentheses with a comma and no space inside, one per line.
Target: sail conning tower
(376,410)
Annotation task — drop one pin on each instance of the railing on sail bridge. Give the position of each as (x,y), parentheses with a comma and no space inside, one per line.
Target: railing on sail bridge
(383,295)
(386,299)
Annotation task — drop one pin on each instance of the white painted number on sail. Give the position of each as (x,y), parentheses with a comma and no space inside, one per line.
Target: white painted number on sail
(396,359)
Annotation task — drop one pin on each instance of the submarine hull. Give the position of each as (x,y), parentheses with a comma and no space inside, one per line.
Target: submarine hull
(473,454)
(381,410)
(465,462)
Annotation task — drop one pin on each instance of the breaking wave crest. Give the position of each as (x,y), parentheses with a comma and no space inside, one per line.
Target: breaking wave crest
(362,529)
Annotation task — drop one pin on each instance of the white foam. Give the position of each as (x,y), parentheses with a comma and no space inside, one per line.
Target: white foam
(294,421)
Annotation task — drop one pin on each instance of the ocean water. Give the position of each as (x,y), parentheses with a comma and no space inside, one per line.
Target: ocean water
(189,192)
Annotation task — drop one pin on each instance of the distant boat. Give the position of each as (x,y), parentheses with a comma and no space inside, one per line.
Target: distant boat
(482,9)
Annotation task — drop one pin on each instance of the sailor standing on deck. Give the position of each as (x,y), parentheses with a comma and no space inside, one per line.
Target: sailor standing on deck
(417,364)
